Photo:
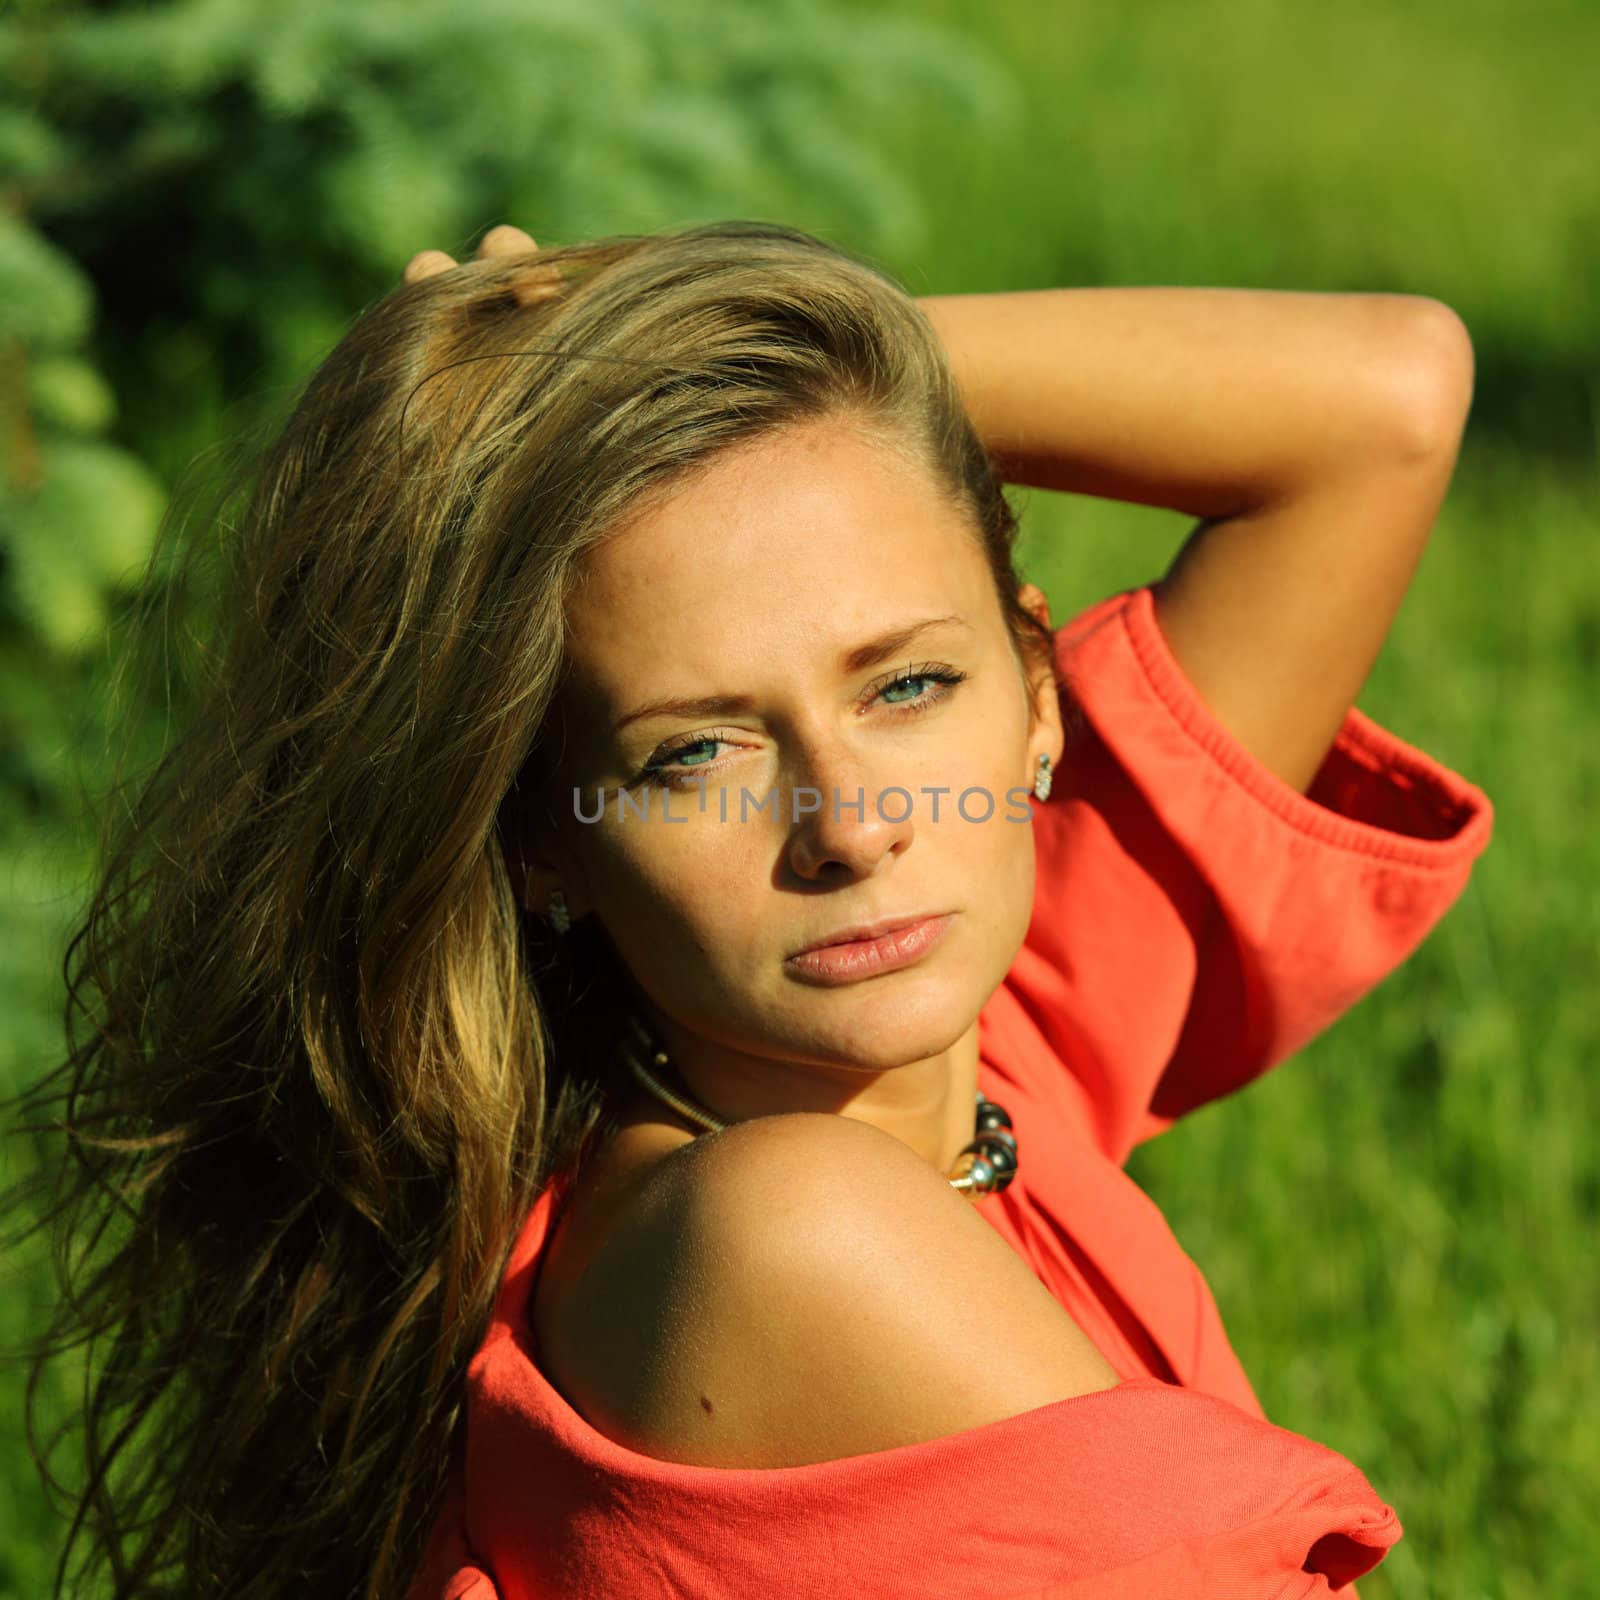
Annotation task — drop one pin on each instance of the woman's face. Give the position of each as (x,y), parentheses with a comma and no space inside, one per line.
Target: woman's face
(761,583)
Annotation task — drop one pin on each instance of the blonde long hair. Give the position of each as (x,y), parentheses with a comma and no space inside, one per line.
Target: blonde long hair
(320,1061)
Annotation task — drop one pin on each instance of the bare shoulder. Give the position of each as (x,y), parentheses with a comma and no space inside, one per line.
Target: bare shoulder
(805,1287)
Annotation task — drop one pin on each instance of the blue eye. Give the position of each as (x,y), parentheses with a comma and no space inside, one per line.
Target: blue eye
(675,766)
(698,744)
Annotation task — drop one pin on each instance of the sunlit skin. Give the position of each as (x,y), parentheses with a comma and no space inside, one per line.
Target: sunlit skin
(755,579)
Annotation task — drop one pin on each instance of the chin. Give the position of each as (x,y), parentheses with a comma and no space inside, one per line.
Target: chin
(882,1024)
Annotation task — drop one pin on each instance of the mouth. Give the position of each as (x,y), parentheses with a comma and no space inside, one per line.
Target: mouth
(864,932)
(851,954)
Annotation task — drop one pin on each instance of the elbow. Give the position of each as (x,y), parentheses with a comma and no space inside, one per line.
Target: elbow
(1428,372)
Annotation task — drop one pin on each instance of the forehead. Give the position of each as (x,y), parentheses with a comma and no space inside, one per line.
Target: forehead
(791,547)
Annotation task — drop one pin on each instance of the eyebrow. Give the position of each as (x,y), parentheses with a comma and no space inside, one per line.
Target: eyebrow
(857,659)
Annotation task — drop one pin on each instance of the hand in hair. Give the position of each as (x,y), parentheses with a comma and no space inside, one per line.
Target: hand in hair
(542,281)
(504,240)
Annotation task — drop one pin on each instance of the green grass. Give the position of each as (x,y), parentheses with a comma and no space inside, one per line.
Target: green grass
(1399,1225)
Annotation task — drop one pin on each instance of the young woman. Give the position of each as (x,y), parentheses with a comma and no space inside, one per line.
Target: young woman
(618,1028)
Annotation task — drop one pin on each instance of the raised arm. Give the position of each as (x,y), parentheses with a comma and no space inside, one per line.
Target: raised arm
(1313,434)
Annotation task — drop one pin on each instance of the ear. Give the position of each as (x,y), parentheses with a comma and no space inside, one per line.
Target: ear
(539,857)
(1046,734)
(538,880)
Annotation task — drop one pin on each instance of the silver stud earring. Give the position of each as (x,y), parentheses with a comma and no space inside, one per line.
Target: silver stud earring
(560,917)
(1041,778)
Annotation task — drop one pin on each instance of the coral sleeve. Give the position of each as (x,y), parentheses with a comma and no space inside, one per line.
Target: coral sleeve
(1197,919)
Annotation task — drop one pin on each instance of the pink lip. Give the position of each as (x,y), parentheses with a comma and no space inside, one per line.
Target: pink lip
(852,956)
(859,932)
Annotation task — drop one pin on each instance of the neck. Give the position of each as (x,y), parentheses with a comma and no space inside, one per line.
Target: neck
(927,1104)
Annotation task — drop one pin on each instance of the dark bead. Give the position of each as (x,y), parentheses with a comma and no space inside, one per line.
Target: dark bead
(1002,1157)
(982,1174)
(993,1148)
(992,1116)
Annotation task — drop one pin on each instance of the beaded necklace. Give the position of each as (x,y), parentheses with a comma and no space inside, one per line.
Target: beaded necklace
(985,1166)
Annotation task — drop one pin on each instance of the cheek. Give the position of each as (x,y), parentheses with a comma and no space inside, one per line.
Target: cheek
(984,835)
(1021,880)
(996,865)
(673,890)
(984,759)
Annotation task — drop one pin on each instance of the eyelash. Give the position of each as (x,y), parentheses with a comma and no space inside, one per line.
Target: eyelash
(667,775)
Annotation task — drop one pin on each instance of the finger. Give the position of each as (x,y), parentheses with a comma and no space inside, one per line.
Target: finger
(425,263)
(504,240)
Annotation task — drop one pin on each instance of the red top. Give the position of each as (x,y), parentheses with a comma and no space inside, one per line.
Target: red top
(1196,921)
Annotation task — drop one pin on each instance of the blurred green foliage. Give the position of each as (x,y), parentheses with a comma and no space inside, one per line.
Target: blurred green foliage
(197,198)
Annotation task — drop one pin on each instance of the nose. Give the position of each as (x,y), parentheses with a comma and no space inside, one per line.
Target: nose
(848,816)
